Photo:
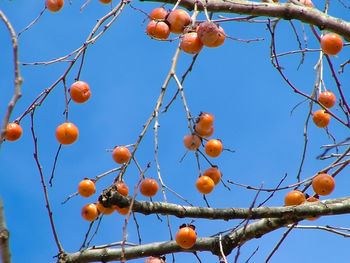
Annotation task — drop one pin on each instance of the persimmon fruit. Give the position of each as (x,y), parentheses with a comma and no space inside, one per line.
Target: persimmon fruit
(104,210)
(307,3)
(121,154)
(220,40)
(213,148)
(204,133)
(331,44)
(205,184)
(86,188)
(54,5)
(80,91)
(205,121)
(323,184)
(321,118)
(13,131)
(122,189)
(294,197)
(105,1)
(214,173)
(177,20)
(192,141)
(186,237)
(191,43)
(158,29)
(149,187)
(67,133)
(89,212)
(155,260)
(158,14)
(327,99)
(209,33)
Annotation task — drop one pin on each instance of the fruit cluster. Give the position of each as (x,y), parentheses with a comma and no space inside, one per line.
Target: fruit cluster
(178,21)
(321,118)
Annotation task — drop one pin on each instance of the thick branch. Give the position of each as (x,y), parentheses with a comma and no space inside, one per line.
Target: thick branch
(5,254)
(111,197)
(285,11)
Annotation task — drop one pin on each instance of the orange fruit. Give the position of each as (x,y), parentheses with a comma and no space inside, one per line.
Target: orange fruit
(204,133)
(104,210)
(54,5)
(327,99)
(294,197)
(307,3)
(158,29)
(121,154)
(13,131)
(177,20)
(214,174)
(155,260)
(220,40)
(149,187)
(208,33)
(105,1)
(79,91)
(323,184)
(86,188)
(89,212)
(122,188)
(158,14)
(192,141)
(213,148)
(205,121)
(67,133)
(331,43)
(186,237)
(190,43)
(321,118)
(205,184)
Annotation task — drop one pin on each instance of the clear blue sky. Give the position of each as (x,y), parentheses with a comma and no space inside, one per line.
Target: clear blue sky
(125,69)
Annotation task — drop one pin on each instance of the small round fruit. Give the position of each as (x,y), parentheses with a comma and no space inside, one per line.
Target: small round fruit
(294,197)
(149,187)
(54,5)
(220,40)
(13,131)
(321,118)
(312,199)
(89,212)
(186,237)
(190,43)
(121,154)
(204,133)
(331,44)
(158,29)
(213,148)
(123,211)
(214,174)
(307,3)
(208,33)
(323,184)
(122,188)
(104,210)
(79,91)
(154,260)
(105,1)
(205,184)
(327,99)
(158,14)
(205,121)
(192,141)
(86,188)
(67,133)
(177,20)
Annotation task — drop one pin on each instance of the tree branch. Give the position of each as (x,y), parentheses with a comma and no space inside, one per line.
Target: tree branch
(5,254)
(285,11)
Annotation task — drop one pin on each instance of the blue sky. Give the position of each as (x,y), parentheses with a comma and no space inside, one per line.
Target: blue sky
(125,70)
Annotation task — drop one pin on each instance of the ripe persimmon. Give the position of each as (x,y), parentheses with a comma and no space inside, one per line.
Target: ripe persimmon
(327,99)
(80,91)
(312,199)
(67,133)
(155,260)
(209,33)
(158,14)
(104,210)
(122,188)
(213,147)
(177,20)
(86,188)
(186,236)
(105,1)
(89,212)
(204,133)
(214,174)
(121,154)
(205,121)
(321,118)
(307,3)
(205,184)
(54,5)
(122,210)
(190,43)
(13,131)
(149,187)
(331,43)
(220,40)
(294,197)
(158,29)
(323,184)
(192,141)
